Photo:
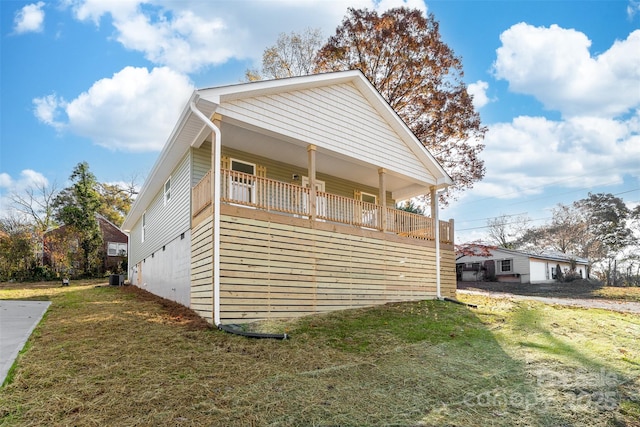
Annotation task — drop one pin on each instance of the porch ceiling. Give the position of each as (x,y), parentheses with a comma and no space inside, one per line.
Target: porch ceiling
(294,152)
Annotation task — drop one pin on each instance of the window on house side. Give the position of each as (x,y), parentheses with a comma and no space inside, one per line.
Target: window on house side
(116,249)
(167,190)
(506,265)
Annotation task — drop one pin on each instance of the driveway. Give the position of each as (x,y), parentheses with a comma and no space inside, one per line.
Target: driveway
(623,306)
(17,320)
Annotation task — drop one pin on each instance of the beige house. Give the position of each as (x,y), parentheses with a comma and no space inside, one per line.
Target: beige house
(297,216)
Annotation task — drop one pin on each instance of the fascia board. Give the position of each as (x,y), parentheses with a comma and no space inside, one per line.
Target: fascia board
(169,157)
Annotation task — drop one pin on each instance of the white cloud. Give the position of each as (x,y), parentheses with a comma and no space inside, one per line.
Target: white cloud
(531,153)
(29,19)
(191,35)
(134,110)
(633,8)
(47,109)
(5,180)
(555,66)
(479,92)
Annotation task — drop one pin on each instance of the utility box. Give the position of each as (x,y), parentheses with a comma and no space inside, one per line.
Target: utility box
(116,279)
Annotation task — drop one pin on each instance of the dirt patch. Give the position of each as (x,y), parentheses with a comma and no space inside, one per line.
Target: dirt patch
(174,312)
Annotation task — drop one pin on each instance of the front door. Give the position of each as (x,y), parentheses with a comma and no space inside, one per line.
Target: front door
(242,187)
(321,201)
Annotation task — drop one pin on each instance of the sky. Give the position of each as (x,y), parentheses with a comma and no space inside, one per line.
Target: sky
(557,83)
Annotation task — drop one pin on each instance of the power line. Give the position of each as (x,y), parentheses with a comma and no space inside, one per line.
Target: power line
(532,220)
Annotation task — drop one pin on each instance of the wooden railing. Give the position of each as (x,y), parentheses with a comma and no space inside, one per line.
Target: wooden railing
(201,195)
(263,193)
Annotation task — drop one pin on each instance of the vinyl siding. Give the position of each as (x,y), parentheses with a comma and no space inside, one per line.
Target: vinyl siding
(201,161)
(284,172)
(164,223)
(336,117)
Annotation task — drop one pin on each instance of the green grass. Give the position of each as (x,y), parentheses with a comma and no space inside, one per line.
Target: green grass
(107,355)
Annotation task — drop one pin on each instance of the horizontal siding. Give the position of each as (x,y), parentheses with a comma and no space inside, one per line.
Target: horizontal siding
(275,269)
(201,272)
(164,223)
(284,172)
(336,117)
(201,162)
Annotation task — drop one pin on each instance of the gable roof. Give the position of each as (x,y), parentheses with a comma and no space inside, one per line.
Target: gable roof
(191,132)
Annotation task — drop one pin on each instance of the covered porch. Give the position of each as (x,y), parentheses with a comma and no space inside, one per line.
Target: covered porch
(251,191)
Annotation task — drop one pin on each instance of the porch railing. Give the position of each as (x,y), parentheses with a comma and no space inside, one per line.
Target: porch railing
(263,193)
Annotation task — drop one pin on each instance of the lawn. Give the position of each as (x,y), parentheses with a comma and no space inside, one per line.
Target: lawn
(118,356)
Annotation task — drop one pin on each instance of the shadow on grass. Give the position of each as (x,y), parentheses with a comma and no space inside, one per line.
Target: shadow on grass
(136,362)
(586,382)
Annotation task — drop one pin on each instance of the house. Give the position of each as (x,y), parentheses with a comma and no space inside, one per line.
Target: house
(58,243)
(508,265)
(297,215)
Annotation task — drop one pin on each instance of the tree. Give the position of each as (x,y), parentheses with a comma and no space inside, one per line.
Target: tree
(403,56)
(115,202)
(36,202)
(505,230)
(605,217)
(565,233)
(76,207)
(17,243)
(292,55)
(411,206)
(473,249)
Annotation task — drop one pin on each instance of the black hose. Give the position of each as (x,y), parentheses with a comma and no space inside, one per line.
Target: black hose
(459,302)
(232,330)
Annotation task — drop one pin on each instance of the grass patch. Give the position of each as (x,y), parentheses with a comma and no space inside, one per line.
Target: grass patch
(619,293)
(117,355)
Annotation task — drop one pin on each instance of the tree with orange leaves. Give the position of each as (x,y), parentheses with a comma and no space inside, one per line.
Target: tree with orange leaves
(402,54)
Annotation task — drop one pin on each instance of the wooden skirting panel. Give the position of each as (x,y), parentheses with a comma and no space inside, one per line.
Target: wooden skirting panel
(274,266)
(201,277)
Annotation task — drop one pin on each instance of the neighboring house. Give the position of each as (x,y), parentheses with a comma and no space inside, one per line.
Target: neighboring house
(305,180)
(508,265)
(114,249)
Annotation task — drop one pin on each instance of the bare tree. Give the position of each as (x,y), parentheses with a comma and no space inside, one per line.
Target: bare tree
(292,55)
(36,202)
(505,230)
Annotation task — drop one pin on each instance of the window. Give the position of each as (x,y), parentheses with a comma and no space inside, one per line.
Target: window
(506,265)
(116,249)
(144,224)
(167,191)
(242,188)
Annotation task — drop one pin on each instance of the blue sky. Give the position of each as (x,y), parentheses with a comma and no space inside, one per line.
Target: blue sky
(556,82)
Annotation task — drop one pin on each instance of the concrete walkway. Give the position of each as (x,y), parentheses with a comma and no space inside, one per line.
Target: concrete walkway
(17,321)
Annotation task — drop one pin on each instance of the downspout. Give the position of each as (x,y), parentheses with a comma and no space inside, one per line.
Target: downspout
(215,203)
(436,196)
(436,214)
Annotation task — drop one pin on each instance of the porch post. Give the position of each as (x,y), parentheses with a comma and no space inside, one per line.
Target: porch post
(434,201)
(383,196)
(311,165)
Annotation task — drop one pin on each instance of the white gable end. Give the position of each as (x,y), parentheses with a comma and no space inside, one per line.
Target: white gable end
(336,118)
